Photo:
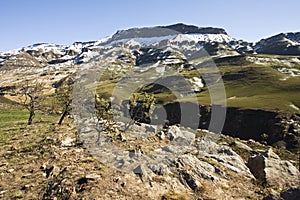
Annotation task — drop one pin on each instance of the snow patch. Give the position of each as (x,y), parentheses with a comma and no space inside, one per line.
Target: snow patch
(197,84)
(294,107)
(202,38)
(290,71)
(143,41)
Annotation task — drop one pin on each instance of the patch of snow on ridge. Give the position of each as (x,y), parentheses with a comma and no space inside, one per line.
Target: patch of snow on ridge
(143,41)
(203,38)
(132,42)
(294,107)
(197,84)
(86,56)
(11,52)
(221,38)
(104,40)
(292,42)
(44,47)
(264,60)
(289,71)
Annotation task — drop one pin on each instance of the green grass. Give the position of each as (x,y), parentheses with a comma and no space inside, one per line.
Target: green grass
(253,86)
(261,88)
(10,117)
(247,85)
(13,120)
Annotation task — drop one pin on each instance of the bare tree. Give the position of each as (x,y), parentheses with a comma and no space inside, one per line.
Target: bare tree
(30,98)
(64,96)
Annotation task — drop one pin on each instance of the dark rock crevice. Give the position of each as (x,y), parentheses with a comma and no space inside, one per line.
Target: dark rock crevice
(264,126)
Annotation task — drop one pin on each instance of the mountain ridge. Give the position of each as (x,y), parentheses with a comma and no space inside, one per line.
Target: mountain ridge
(180,28)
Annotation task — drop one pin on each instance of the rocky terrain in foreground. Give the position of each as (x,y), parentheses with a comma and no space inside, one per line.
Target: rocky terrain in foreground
(47,161)
(160,155)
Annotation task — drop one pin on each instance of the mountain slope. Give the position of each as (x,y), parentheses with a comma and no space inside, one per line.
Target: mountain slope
(281,44)
(252,81)
(164,152)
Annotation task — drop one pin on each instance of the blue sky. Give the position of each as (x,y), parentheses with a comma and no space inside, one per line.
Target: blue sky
(25,22)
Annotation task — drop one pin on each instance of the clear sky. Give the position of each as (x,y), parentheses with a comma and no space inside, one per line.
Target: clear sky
(25,22)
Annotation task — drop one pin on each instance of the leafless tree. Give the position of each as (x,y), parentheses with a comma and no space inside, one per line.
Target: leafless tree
(30,96)
(64,97)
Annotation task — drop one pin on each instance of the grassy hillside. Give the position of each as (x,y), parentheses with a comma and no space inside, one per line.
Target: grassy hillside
(248,85)
(261,86)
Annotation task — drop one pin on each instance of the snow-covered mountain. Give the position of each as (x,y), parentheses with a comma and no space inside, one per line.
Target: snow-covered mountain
(215,40)
(282,44)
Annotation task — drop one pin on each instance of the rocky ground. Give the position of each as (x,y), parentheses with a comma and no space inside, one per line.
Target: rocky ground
(48,161)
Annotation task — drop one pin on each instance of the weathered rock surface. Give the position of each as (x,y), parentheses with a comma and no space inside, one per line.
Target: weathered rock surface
(268,167)
(241,146)
(200,169)
(180,137)
(225,156)
(160,169)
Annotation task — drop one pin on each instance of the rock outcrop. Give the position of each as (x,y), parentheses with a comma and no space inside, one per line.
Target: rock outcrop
(264,126)
(270,169)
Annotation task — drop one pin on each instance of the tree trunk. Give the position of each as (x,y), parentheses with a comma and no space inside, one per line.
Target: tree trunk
(31,115)
(62,117)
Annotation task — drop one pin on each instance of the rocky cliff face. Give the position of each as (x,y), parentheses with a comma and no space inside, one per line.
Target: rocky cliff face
(273,128)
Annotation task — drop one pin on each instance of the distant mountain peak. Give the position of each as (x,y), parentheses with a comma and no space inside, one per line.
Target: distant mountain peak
(160,31)
(191,29)
(282,44)
(186,36)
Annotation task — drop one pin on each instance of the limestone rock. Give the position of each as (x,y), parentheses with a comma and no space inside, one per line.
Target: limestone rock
(161,135)
(181,137)
(225,156)
(159,169)
(267,166)
(200,168)
(189,179)
(92,176)
(141,171)
(68,142)
(241,145)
